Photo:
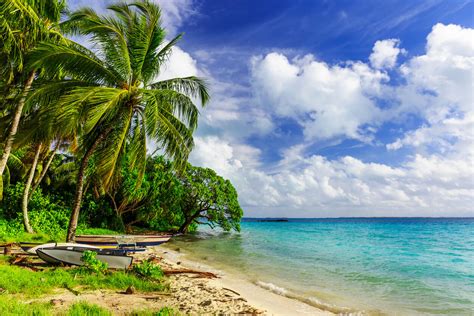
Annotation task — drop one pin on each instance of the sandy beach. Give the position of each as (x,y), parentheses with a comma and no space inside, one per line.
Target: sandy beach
(189,293)
(253,297)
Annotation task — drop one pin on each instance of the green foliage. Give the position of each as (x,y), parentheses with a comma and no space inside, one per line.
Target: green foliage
(84,308)
(209,197)
(91,263)
(148,269)
(47,216)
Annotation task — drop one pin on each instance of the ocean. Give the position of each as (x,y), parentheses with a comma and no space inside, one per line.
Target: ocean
(374,266)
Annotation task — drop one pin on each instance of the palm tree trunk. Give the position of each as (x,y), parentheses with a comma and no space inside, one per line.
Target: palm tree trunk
(24,204)
(71,231)
(15,122)
(43,172)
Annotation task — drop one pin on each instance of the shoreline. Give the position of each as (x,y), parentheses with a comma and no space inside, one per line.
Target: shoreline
(256,296)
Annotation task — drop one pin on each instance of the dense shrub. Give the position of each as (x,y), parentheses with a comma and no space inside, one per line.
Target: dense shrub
(46,215)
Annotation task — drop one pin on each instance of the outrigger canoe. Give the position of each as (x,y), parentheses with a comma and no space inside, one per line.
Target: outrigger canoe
(33,247)
(138,240)
(115,258)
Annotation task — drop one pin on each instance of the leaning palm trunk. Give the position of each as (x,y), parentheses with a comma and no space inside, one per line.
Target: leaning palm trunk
(24,204)
(71,231)
(14,128)
(43,172)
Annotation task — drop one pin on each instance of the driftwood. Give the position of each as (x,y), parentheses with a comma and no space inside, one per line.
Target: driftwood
(156,297)
(202,274)
(224,288)
(24,262)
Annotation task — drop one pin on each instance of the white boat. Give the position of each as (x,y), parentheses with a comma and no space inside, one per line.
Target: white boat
(30,248)
(115,259)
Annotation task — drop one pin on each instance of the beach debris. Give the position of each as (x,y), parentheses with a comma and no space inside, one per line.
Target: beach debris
(224,288)
(202,274)
(57,302)
(24,262)
(7,250)
(206,303)
(130,290)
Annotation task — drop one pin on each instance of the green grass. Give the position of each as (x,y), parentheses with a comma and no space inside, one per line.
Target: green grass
(96,231)
(18,280)
(165,311)
(86,309)
(13,307)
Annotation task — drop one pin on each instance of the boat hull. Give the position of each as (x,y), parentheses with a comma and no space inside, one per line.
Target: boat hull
(138,240)
(73,255)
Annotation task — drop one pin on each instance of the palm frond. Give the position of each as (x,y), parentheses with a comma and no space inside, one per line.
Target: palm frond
(191,86)
(109,154)
(73,62)
(176,103)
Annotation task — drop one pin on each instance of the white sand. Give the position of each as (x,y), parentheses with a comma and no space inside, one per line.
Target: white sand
(260,298)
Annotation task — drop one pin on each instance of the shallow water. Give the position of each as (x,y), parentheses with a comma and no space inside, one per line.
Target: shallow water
(401,266)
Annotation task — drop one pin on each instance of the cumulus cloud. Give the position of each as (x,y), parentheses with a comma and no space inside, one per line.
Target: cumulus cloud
(179,64)
(426,185)
(385,53)
(327,101)
(440,89)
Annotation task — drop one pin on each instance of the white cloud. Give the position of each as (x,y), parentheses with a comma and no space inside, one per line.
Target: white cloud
(328,101)
(385,54)
(424,186)
(174,13)
(179,64)
(440,88)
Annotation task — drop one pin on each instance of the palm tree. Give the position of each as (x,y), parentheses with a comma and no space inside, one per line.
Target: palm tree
(111,99)
(23,24)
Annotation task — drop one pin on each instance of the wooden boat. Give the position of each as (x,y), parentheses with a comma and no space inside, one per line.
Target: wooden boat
(31,248)
(115,259)
(138,240)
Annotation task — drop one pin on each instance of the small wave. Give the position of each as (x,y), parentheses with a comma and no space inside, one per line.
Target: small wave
(310,300)
(273,288)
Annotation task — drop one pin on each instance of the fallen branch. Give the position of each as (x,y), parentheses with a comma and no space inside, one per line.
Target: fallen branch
(157,297)
(224,288)
(71,290)
(208,275)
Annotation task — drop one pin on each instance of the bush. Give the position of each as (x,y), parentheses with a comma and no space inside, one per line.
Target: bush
(46,215)
(91,263)
(148,269)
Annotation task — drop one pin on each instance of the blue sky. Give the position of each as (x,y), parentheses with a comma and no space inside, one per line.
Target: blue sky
(333,108)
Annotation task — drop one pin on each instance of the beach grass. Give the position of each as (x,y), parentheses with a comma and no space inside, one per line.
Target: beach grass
(165,311)
(84,308)
(18,280)
(13,307)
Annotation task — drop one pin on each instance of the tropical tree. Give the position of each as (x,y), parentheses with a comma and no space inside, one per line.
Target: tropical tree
(23,24)
(209,199)
(157,199)
(111,98)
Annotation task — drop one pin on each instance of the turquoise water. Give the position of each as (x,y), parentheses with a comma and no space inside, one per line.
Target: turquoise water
(378,266)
